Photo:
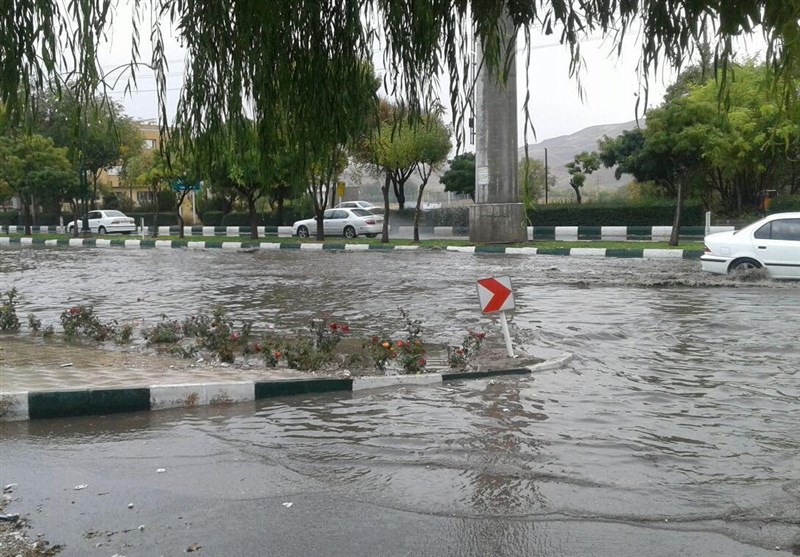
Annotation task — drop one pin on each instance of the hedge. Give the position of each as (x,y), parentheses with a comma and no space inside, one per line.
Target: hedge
(615,214)
(9,218)
(785,203)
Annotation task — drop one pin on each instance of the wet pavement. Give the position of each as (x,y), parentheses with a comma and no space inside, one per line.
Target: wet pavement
(673,431)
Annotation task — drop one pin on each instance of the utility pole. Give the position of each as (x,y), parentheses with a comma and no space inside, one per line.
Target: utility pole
(498,215)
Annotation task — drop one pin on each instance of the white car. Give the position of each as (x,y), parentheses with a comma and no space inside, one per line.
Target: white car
(342,222)
(106,222)
(356,205)
(773,244)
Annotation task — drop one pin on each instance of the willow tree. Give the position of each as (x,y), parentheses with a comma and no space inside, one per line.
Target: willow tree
(241,57)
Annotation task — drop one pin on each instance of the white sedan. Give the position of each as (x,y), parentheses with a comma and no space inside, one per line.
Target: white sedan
(773,244)
(356,205)
(342,222)
(106,222)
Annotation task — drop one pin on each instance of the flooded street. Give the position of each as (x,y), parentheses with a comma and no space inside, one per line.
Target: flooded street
(673,431)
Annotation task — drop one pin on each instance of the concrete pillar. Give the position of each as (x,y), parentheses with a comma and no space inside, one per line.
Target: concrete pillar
(498,215)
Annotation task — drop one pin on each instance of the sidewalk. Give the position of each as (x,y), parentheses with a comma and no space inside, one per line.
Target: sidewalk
(129,383)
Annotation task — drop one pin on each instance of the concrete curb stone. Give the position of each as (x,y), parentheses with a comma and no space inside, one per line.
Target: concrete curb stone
(35,405)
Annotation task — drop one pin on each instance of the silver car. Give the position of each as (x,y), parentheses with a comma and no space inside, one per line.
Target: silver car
(342,222)
(106,222)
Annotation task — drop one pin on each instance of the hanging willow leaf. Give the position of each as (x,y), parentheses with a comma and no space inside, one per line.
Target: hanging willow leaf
(303,61)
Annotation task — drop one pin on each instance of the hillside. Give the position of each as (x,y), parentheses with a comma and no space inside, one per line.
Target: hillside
(562,149)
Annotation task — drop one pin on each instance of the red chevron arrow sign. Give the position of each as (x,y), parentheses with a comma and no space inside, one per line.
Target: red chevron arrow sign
(495,294)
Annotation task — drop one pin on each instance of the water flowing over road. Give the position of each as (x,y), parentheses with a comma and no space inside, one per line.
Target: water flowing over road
(674,430)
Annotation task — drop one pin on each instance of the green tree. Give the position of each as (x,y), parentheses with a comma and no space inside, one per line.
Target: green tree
(149,170)
(97,134)
(532,180)
(584,163)
(35,169)
(432,143)
(460,177)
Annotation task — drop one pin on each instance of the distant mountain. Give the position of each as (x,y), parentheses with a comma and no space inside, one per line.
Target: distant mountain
(562,149)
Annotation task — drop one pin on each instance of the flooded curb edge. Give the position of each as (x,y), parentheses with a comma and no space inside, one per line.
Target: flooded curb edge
(36,405)
(638,253)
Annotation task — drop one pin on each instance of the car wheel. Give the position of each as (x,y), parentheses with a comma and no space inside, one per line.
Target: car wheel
(349,232)
(101,230)
(302,232)
(371,235)
(744,265)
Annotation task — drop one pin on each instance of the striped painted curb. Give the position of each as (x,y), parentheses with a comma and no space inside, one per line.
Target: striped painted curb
(640,253)
(565,233)
(37,405)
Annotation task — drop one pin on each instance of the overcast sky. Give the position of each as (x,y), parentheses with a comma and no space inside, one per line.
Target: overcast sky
(610,83)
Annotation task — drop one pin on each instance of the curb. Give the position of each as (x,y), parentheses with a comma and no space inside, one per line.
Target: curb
(632,253)
(567,233)
(67,403)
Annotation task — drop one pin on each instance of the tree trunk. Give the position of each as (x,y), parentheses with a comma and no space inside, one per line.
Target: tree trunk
(400,193)
(417,211)
(180,216)
(318,213)
(26,211)
(385,191)
(279,210)
(676,223)
(577,193)
(251,208)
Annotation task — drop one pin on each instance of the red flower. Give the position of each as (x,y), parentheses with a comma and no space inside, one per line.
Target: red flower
(234,336)
(334,326)
(422,362)
(481,335)
(73,311)
(375,340)
(400,343)
(257,347)
(277,355)
(345,329)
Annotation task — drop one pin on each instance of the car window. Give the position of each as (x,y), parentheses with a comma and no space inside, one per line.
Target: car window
(328,214)
(764,233)
(362,213)
(786,229)
(114,214)
(339,215)
(94,214)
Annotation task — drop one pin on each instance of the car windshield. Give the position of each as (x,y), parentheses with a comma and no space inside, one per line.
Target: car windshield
(114,214)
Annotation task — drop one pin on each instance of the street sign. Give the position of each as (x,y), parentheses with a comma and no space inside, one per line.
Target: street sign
(180,185)
(495,294)
(340,188)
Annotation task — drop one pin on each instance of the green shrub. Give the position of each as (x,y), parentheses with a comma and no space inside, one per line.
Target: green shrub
(9,218)
(8,312)
(212,218)
(785,203)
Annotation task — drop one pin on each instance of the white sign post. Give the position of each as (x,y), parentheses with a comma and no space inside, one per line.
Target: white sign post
(495,295)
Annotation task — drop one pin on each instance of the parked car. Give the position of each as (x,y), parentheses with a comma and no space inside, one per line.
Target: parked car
(356,205)
(106,222)
(772,243)
(342,222)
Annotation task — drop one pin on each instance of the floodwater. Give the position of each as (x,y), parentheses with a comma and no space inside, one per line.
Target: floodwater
(678,414)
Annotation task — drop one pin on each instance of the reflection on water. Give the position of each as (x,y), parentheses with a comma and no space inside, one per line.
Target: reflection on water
(681,403)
